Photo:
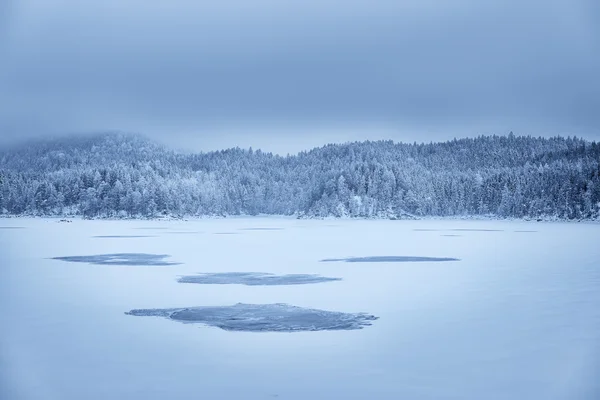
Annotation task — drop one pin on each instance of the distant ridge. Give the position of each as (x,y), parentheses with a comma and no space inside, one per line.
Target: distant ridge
(118,175)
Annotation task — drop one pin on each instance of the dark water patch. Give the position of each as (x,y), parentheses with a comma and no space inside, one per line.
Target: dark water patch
(254,279)
(262,317)
(525,231)
(452,235)
(121,236)
(12,227)
(475,230)
(134,259)
(261,229)
(390,259)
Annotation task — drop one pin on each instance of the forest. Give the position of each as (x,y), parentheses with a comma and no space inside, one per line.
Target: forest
(119,175)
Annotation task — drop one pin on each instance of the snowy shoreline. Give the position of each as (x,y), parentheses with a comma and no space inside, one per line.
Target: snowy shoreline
(68,218)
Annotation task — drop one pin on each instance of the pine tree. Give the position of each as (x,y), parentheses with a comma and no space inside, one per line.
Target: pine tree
(116,175)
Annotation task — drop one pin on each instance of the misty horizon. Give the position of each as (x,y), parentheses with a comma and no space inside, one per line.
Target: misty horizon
(17,143)
(290,77)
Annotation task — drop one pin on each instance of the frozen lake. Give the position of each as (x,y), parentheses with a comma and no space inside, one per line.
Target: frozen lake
(465,309)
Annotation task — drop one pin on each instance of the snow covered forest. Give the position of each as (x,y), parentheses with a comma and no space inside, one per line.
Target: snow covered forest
(118,175)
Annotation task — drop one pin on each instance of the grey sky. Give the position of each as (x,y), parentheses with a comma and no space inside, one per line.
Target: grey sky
(287,75)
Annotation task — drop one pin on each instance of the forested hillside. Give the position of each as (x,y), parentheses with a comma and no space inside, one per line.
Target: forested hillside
(122,175)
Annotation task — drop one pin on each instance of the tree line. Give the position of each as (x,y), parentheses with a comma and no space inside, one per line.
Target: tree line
(117,175)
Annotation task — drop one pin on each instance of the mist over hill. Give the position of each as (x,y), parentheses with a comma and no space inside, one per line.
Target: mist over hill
(115,175)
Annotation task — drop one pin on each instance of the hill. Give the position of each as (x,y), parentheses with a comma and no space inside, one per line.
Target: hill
(122,175)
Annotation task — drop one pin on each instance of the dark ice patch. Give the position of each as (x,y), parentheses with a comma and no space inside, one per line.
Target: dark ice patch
(390,259)
(12,227)
(182,232)
(526,231)
(458,230)
(134,259)
(475,230)
(263,317)
(122,236)
(452,235)
(261,229)
(254,279)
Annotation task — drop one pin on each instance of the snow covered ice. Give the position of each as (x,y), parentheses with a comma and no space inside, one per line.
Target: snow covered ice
(517,317)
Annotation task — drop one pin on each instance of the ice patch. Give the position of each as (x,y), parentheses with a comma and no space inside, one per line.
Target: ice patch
(182,232)
(254,279)
(121,236)
(12,227)
(390,259)
(458,230)
(261,229)
(121,259)
(476,230)
(263,317)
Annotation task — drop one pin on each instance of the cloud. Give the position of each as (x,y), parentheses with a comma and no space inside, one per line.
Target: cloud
(426,66)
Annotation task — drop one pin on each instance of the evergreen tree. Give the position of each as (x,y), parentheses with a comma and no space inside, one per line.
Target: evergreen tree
(119,175)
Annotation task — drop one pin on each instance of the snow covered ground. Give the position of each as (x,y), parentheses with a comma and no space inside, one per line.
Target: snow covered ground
(516,316)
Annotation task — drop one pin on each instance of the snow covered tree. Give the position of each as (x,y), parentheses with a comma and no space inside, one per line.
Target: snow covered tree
(112,175)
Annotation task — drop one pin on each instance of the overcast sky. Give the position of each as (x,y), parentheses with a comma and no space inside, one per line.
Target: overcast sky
(288,75)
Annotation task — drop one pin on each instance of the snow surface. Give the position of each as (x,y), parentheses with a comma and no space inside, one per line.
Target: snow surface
(518,317)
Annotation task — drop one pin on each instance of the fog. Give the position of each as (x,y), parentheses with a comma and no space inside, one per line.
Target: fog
(285,77)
